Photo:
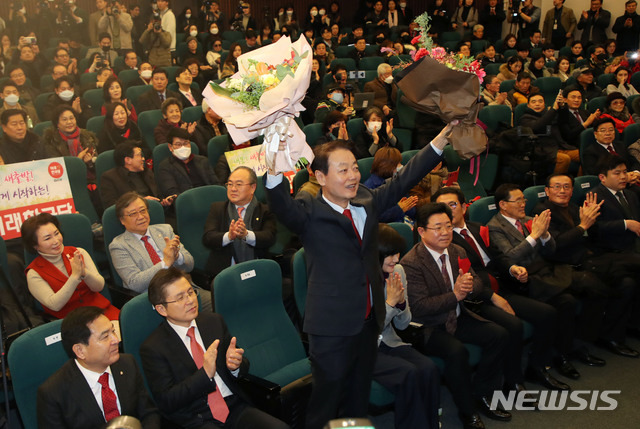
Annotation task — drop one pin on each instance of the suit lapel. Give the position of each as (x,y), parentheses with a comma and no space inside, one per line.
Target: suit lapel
(123,388)
(431,266)
(136,245)
(510,229)
(81,394)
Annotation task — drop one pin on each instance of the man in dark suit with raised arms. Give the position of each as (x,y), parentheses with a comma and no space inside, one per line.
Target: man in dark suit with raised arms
(192,363)
(345,301)
(98,383)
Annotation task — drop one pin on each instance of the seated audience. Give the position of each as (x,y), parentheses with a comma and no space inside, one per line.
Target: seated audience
(143,249)
(113,92)
(576,52)
(183,170)
(171,118)
(210,126)
(373,136)
(386,163)
(511,69)
(489,56)
(17,75)
(192,389)
(537,67)
(97,383)
(335,101)
(240,229)
(561,69)
(622,84)
(146,73)
(153,99)
(62,278)
(573,119)
(188,98)
(437,285)
(548,52)
(616,109)
(491,95)
(410,375)
(586,83)
(129,174)
(605,133)
(334,127)
(11,100)
(360,50)
(384,89)
(118,128)
(522,89)
(66,95)
(101,77)
(230,65)
(17,143)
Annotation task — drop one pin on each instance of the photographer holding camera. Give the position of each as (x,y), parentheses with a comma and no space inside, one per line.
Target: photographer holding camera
(118,23)
(71,21)
(168,21)
(157,42)
(242,20)
(104,49)
(525,15)
(210,13)
(94,18)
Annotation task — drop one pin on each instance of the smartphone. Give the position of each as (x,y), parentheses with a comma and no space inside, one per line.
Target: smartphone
(31,40)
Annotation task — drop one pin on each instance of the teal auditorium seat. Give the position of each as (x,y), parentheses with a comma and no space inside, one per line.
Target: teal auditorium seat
(533,195)
(494,115)
(216,148)
(549,87)
(147,122)
(364,165)
(192,114)
(596,103)
(95,99)
(104,162)
(370,63)
(581,186)
(631,134)
(406,232)
(301,177)
(507,85)
(134,92)
(77,174)
(312,133)
(192,209)
(40,128)
(28,368)
(482,210)
(95,124)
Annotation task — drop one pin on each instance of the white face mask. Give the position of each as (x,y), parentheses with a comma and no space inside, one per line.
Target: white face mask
(314,12)
(187,15)
(403,5)
(321,12)
(23,10)
(182,153)
(193,33)
(11,99)
(214,31)
(66,95)
(289,12)
(388,79)
(374,126)
(146,74)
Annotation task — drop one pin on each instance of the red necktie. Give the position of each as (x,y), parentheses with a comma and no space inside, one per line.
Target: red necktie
(611,150)
(240,210)
(109,401)
(469,239)
(150,250)
(347,213)
(519,226)
(452,319)
(217,405)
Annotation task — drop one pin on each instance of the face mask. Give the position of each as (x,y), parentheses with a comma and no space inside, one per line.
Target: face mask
(337,97)
(182,153)
(214,31)
(146,74)
(380,38)
(193,33)
(106,48)
(314,12)
(11,99)
(403,5)
(289,12)
(388,79)
(321,12)
(66,95)
(188,15)
(374,126)
(601,57)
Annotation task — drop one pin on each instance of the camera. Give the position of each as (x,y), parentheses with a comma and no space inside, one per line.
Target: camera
(157,25)
(31,40)
(99,61)
(515,8)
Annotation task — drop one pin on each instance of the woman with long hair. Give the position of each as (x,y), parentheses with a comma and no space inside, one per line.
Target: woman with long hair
(113,92)
(118,127)
(562,68)
(230,66)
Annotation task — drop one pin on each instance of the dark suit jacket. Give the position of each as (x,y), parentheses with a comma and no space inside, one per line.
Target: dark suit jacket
(65,400)
(116,182)
(185,101)
(179,388)
(150,100)
(263,225)
(595,152)
(379,89)
(597,27)
(339,268)
(172,177)
(609,233)
(431,299)
(571,243)
(570,127)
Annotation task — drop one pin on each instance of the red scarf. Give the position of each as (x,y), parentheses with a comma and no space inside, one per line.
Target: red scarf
(73,141)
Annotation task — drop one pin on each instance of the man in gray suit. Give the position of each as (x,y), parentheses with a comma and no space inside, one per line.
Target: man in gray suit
(143,249)
(526,242)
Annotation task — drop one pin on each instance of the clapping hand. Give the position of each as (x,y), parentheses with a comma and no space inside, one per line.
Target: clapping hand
(395,290)
(234,355)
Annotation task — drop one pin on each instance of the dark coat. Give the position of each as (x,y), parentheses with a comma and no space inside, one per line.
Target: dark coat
(116,182)
(609,232)
(173,179)
(30,149)
(110,137)
(151,101)
(595,152)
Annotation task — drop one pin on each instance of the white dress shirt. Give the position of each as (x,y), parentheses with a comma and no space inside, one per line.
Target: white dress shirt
(95,386)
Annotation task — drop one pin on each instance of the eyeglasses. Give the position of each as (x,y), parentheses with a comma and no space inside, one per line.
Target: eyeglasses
(135,214)
(181,144)
(180,299)
(518,201)
(217,45)
(441,228)
(607,131)
(237,185)
(558,186)
(453,204)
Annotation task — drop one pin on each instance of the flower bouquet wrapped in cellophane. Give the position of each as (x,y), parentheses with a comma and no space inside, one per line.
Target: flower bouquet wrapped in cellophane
(263,98)
(448,86)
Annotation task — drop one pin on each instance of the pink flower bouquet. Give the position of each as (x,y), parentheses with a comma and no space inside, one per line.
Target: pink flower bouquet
(264,96)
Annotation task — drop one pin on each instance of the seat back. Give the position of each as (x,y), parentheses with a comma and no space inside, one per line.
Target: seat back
(355,127)
(406,113)
(364,165)
(549,87)
(533,195)
(407,155)
(451,36)
(104,162)
(313,132)
(134,92)
(493,115)
(606,79)
(192,114)
(77,173)
(493,68)
(405,138)
(517,113)
(147,122)
(216,147)
(507,85)
(95,99)
(33,358)
(596,103)
(478,46)
(301,177)
(581,186)
(192,209)
(370,63)
(586,139)
(111,228)
(87,78)
(249,297)
(128,76)
(40,128)
(482,210)
(40,102)
(95,124)
(171,72)
(299,264)
(631,134)
(406,232)
(349,63)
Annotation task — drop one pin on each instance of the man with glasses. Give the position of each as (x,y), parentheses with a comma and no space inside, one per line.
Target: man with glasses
(573,118)
(144,249)
(440,278)
(527,242)
(241,228)
(192,363)
(183,170)
(611,292)
(604,132)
